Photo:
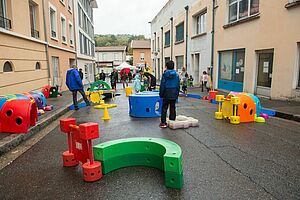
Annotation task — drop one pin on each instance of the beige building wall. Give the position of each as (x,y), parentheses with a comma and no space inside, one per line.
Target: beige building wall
(137,59)
(274,28)
(18,47)
(63,51)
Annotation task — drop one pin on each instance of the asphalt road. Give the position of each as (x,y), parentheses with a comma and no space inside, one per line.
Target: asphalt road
(221,161)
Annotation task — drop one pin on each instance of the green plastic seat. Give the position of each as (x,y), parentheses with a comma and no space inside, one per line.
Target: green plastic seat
(151,152)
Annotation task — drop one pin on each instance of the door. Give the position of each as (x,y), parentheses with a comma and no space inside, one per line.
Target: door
(264,75)
(197,71)
(55,67)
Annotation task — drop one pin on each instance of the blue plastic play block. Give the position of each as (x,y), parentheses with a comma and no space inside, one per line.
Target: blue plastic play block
(147,105)
(80,105)
(214,101)
(269,112)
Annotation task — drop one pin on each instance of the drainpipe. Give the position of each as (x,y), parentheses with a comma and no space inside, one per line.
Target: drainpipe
(186,34)
(75,33)
(212,41)
(171,35)
(162,48)
(47,44)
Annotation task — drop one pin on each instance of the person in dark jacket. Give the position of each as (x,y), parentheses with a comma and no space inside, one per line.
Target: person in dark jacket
(74,83)
(102,76)
(114,79)
(169,92)
(80,73)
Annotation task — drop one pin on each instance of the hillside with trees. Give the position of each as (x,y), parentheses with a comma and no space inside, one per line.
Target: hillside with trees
(117,40)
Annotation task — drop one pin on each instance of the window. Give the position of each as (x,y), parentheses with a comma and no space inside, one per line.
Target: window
(179,63)
(63,29)
(239,9)
(4,22)
(167,59)
(167,39)
(71,34)
(7,67)
(180,32)
(53,26)
(70,5)
(158,47)
(62,1)
(80,43)
(142,56)
(232,65)
(200,23)
(298,85)
(32,12)
(37,65)
(79,16)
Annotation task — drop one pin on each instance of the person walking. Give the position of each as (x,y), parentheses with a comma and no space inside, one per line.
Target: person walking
(113,79)
(124,79)
(102,76)
(204,80)
(185,83)
(169,92)
(137,82)
(74,83)
(129,76)
(80,74)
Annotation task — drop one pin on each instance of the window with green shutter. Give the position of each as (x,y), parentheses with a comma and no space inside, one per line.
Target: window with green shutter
(180,32)
(167,38)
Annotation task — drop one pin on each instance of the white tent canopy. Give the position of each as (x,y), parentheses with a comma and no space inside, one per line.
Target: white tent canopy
(125,65)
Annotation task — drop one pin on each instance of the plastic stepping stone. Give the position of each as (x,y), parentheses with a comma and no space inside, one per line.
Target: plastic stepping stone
(159,153)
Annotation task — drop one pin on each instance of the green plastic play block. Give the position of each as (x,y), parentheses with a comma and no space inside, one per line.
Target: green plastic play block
(152,152)
(132,160)
(173,180)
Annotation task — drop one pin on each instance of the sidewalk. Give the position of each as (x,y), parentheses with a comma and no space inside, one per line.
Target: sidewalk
(60,106)
(284,109)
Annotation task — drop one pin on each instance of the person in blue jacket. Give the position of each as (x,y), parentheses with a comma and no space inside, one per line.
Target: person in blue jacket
(74,83)
(169,92)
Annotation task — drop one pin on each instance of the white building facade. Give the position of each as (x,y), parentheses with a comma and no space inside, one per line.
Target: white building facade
(181,32)
(85,43)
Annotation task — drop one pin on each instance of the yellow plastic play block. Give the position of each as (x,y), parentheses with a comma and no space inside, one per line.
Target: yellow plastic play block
(235,100)
(128,91)
(234,119)
(219,98)
(103,106)
(218,115)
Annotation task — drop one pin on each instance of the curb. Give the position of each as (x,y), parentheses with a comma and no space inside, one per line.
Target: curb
(287,116)
(13,140)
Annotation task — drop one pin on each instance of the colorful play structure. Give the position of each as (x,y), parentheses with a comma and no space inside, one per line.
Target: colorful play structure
(145,104)
(99,88)
(112,155)
(239,107)
(18,112)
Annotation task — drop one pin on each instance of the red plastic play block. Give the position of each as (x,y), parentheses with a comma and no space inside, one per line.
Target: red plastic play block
(89,131)
(92,172)
(65,124)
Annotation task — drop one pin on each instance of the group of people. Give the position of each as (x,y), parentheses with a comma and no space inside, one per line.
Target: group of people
(169,86)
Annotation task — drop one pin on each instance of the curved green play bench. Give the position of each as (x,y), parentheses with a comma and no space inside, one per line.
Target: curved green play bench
(151,152)
(94,86)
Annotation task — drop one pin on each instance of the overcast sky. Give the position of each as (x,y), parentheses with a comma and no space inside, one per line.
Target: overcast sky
(126,16)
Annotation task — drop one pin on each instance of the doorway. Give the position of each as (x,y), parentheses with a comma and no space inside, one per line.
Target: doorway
(264,73)
(55,67)
(197,68)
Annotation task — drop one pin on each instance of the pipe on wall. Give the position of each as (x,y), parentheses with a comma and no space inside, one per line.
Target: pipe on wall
(186,34)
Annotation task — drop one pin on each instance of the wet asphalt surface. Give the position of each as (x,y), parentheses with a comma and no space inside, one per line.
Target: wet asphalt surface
(220,160)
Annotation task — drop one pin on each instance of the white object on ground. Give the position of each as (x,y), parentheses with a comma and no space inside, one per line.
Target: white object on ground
(182,122)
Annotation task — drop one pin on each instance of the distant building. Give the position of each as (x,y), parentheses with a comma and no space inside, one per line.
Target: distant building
(141,51)
(109,57)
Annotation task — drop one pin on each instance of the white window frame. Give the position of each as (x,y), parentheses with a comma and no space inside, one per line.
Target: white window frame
(142,56)
(5,8)
(32,3)
(71,33)
(63,2)
(70,5)
(238,10)
(51,7)
(63,29)
(200,27)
